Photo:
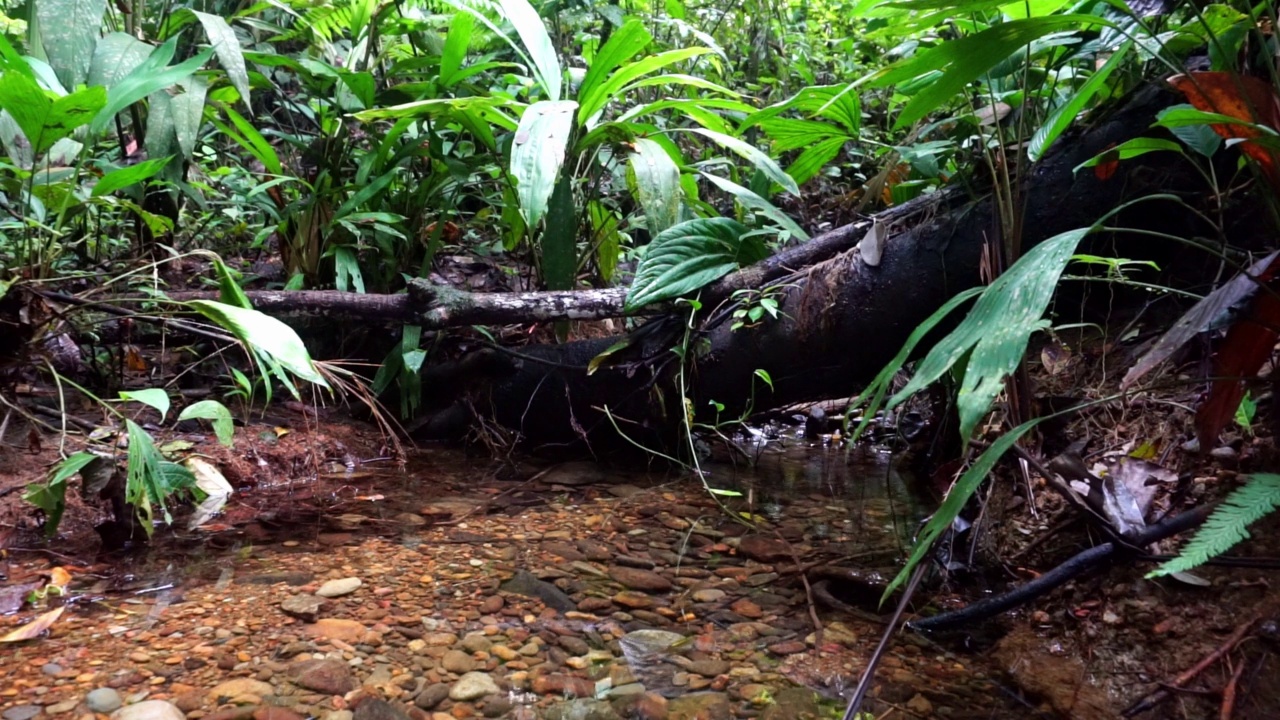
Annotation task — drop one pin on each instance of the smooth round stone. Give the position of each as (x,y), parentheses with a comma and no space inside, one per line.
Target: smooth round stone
(51,668)
(472,686)
(21,712)
(103,700)
(149,710)
(338,588)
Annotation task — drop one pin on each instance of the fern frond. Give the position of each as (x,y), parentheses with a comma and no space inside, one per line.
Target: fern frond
(321,23)
(1228,524)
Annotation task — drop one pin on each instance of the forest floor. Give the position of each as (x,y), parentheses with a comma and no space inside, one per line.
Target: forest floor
(460,587)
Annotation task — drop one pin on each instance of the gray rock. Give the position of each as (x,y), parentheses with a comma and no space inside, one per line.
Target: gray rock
(21,712)
(432,695)
(527,584)
(149,710)
(456,661)
(473,686)
(371,708)
(103,700)
(476,642)
(338,588)
(709,668)
(304,607)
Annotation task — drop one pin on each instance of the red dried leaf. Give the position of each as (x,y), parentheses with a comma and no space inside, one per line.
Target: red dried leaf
(1107,165)
(1249,343)
(1241,97)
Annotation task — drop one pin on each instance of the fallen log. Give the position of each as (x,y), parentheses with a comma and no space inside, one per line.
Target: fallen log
(842,319)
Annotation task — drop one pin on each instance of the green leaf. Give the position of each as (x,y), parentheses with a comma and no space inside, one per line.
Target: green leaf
(605,237)
(657,184)
(215,412)
(247,136)
(759,204)
(815,157)
(1130,149)
(116,55)
(612,88)
(272,343)
(560,240)
(347,269)
(1067,112)
(755,156)
(624,44)
(187,110)
(1228,525)
(229,291)
(533,33)
(537,154)
(129,175)
(51,496)
(790,134)
(151,397)
(69,31)
(150,76)
(227,47)
(957,497)
(151,479)
(968,58)
(684,258)
(455,47)
(43,119)
(1184,115)
(994,335)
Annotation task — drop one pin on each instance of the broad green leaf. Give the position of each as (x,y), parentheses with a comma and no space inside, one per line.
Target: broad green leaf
(129,175)
(248,137)
(435,106)
(679,79)
(347,270)
(657,184)
(150,76)
(1185,115)
(69,31)
(187,110)
(611,89)
(533,33)
(681,104)
(755,156)
(43,119)
(789,134)
(151,397)
(757,203)
(815,157)
(686,257)
(116,55)
(995,333)
(151,480)
(537,154)
(272,342)
(968,58)
(605,237)
(560,238)
(227,47)
(957,497)
(830,102)
(229,291)
(455,47)
(624,44)
(51,495)
(1130,149)
(1067,112)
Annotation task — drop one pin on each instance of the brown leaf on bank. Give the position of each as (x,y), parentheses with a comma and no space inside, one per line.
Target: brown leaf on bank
(1244,98)
(35,628)
(1249,343)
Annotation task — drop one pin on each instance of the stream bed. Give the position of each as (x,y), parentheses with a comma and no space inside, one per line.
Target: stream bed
(461,589)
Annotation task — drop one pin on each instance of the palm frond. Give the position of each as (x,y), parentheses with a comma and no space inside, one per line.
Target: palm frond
(1228,524)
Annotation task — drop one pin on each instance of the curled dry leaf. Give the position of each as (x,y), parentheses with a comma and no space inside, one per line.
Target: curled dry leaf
(35,628)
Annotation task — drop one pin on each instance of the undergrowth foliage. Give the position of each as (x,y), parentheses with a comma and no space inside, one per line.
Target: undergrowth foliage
(1228,525)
